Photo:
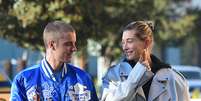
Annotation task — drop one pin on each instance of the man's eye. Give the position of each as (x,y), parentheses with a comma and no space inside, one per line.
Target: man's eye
(68,44)
(129,41)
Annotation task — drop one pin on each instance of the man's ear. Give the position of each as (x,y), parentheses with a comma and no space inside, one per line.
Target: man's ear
(51,45)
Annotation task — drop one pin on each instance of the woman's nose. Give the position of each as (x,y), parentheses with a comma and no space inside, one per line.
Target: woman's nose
(124,46)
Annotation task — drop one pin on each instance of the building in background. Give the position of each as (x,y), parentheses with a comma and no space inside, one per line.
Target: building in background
(10,52)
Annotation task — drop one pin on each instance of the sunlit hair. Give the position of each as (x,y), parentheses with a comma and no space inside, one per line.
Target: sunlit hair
(54,30)
(143,29)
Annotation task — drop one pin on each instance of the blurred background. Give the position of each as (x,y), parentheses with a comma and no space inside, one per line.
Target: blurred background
(98,23)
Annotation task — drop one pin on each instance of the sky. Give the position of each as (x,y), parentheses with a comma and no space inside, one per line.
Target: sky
(196,3)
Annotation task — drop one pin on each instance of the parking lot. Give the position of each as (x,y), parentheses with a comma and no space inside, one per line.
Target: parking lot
(193,76)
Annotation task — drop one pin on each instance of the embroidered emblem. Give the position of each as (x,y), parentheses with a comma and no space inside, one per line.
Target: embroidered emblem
(79,92)
(48,90)
(32,94)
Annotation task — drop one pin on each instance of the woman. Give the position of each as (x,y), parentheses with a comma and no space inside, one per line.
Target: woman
(141,76)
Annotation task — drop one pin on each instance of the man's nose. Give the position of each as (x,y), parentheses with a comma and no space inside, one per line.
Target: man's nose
(74,48)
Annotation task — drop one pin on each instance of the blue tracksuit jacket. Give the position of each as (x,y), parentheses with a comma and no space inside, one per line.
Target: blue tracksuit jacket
(39,82)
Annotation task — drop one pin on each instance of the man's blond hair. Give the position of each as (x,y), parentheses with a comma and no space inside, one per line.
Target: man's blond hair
(54,30)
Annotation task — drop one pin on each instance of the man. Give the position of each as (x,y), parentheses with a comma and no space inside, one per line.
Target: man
(141,76)
(54,78)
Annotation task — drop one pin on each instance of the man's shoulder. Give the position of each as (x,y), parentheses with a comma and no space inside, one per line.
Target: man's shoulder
(31,69)
(28,71)
(77,70)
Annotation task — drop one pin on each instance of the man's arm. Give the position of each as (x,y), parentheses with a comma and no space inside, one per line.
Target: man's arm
(17,90)
(93,96)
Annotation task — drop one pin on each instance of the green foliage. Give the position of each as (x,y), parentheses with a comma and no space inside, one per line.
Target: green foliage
(23,21)
(196,30)
(173,32)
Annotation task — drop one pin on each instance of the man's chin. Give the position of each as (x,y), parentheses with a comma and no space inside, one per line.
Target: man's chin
(67,61)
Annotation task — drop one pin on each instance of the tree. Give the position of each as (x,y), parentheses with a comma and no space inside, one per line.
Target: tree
(196,34)
(101,20)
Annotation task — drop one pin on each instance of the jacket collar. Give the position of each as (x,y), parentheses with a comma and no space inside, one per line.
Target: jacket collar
(157,64)
(159,85)
(48,69)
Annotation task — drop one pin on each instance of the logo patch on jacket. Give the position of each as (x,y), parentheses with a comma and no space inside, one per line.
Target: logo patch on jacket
(33,94)
(48,90)
(79,92)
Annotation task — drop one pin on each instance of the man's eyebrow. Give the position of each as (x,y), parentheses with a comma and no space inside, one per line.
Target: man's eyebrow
(129,38)
(67,42)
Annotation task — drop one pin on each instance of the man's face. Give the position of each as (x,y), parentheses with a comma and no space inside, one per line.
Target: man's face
(132,46)
(65,47)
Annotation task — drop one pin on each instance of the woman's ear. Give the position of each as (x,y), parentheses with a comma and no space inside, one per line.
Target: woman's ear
(147,43)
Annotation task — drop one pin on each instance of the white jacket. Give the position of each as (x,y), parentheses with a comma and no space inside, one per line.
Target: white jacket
(167,85)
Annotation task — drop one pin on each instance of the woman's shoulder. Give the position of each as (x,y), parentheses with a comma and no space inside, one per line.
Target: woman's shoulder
(170,73)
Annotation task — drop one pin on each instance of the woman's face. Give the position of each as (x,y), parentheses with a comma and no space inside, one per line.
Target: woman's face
(132,46)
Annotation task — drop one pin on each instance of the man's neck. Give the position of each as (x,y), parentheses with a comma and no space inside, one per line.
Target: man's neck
(55,65)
